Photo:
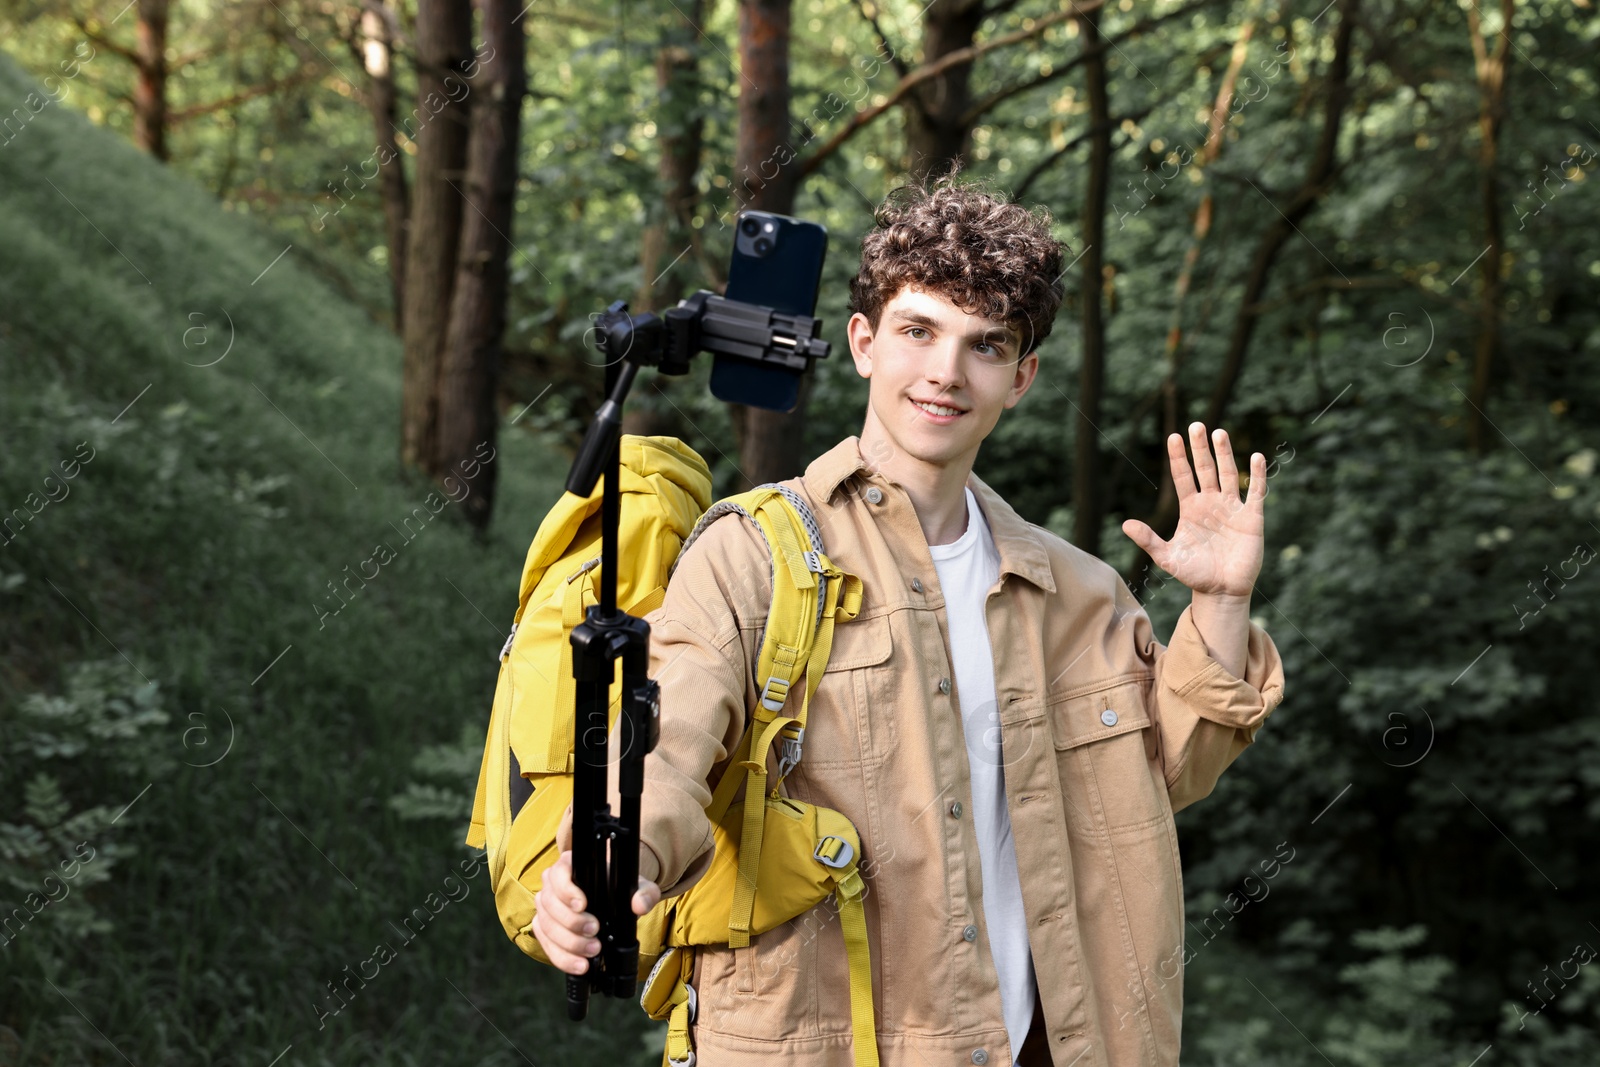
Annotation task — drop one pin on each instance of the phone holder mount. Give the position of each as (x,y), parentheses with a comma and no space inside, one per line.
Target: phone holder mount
(704,322)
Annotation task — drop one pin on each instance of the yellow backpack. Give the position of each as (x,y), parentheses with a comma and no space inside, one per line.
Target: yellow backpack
(772,861)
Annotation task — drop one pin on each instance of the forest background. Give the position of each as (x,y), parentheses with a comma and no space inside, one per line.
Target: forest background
(1361,236)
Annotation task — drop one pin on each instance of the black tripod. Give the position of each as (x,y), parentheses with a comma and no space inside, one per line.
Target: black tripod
(703,322)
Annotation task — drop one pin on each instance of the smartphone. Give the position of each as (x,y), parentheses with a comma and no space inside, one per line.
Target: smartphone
(777,263)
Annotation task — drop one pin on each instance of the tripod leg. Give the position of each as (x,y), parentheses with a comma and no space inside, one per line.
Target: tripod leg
(589,808)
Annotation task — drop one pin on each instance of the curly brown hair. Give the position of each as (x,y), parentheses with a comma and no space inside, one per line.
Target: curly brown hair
(986,255)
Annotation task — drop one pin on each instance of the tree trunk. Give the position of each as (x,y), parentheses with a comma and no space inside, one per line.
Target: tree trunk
(444,44)
(912,80)
(680,130)
(1319,175)
(938,131)
(378,31)
(1088,507)
(1491,72)
(1283,225)
(469,374)
(765,180)
(764,107)
(1173,414)
(150,88)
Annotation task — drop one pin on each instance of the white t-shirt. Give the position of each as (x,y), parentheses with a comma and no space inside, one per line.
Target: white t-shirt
(968,567)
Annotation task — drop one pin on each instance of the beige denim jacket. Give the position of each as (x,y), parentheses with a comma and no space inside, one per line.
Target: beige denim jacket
(1105,732)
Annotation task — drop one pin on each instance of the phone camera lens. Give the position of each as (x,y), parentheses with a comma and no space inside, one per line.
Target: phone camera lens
(763,245)
(750,227)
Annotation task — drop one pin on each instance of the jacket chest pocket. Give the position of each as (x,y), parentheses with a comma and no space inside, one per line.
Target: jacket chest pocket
(851,715)
(1107,755)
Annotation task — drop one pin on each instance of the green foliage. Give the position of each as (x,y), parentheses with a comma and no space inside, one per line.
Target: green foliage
(1398,1010)
(185,570)
(1390,1004)
(98,730)
(452,773)
(1436,762)
(101,706)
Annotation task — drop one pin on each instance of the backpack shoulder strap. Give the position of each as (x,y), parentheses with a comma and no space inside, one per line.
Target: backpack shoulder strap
(809,594)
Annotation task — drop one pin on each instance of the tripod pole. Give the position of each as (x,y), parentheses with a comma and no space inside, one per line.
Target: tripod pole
(605,847)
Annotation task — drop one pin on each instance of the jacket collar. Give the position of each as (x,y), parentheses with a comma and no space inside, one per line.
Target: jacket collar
(1022,551)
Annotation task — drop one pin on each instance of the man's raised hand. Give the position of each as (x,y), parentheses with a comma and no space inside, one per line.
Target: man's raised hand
(1218,546)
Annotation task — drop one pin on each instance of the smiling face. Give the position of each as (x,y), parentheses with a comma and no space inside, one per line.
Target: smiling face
(939,378)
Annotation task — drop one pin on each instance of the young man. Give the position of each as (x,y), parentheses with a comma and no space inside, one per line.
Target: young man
(999,721)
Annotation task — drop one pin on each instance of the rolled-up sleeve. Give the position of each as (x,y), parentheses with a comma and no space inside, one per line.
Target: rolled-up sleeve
(699,653)
(1205,715)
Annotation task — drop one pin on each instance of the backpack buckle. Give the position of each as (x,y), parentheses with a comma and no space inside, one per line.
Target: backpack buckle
(814,562)
(838,856)
(789,755)
(585,569)
(774,701)
(694,1009)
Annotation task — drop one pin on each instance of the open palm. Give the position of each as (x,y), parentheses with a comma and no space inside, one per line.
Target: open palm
(1218,545)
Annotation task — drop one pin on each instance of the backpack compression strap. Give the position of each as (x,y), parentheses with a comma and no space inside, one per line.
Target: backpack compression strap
(849,889)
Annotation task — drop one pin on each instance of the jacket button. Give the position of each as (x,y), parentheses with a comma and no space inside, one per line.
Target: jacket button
(875,495)
(944,686)
(916,583)
(980,1056)
(955,809)
(969,933)
(1108,717)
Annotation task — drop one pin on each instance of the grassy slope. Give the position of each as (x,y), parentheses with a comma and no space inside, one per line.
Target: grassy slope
(196,543)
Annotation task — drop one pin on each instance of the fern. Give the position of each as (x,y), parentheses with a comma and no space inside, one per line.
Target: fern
(58,850)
